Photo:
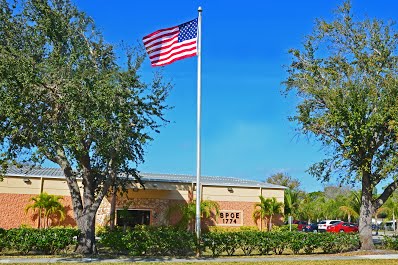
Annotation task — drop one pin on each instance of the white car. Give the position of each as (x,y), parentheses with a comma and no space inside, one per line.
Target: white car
(322,225)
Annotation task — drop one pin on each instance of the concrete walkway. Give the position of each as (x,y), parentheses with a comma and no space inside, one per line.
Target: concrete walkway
(202,260)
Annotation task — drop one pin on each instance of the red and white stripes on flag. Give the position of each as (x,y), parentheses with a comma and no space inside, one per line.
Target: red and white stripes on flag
(167,45)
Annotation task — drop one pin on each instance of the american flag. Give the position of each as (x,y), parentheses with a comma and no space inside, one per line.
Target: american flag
(165,46)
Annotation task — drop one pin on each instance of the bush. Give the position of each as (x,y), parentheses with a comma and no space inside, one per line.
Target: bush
(46,241)
(247,241)
(310,242)
(338,242)
(277,241)
(149,240)
(284,228)
(280,241)
(264,243)
(296,241)
(2,238)
(113,241)
(390,242)
(215,242)
(222,229)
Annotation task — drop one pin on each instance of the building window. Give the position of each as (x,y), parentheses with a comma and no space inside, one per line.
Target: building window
(132,218)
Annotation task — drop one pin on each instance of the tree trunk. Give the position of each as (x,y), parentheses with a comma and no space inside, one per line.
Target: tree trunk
(86,239)
(113,209)
(270,223)
(366,213)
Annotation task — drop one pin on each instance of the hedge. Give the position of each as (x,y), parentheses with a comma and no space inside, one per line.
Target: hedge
(264,243)
(149,240)
(390,242)
(168,241)
(46,241)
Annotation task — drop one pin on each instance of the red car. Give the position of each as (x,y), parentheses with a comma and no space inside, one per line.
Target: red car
(300,224)
(342,227)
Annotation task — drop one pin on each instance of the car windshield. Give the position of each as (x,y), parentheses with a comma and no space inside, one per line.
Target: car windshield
(322,222)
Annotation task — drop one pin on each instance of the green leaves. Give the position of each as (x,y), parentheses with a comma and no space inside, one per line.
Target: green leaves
(266,209)
(48,206)
(65,98)
(346,75)
(208,209)
(151,241)
(46,241)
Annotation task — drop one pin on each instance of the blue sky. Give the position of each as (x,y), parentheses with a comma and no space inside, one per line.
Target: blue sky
(245,130)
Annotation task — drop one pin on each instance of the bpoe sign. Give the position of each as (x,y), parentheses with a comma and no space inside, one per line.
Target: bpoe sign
(230,218)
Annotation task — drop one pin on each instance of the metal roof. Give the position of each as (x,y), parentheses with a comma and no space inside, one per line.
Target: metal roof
(151,177)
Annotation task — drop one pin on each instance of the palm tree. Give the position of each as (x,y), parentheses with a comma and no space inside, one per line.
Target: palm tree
(266,209)
(291,202)
(312,207)
(275,207)
(391,208)
(47,207)
(261,210)
(188,212)
(352,205)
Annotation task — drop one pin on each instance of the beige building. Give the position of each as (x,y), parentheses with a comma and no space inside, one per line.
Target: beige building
(236,197)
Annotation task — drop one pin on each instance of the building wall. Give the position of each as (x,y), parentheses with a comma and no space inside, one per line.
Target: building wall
(157,197)
(15,195)
(13,213)
(239,199)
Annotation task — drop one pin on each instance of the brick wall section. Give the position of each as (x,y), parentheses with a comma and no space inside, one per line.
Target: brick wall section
(13,211)
(247,209)
(158,208)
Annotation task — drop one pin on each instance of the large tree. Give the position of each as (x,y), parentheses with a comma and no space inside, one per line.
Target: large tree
(284,180)
(66,98)
(293,194)
(347,77)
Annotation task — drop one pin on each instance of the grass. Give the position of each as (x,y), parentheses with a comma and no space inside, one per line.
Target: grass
(305,262)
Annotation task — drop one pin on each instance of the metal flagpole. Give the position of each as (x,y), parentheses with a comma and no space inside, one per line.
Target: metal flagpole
(198,185)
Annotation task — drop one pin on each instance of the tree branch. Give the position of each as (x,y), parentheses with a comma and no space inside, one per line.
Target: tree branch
(386,193)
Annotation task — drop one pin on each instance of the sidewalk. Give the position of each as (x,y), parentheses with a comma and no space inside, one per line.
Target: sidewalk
(202,260)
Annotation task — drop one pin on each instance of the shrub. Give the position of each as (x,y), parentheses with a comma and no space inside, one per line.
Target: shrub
(149,240)
(338,242)
(247,241)
(113,241)
(55,240)
(264,243)
(2,239)
(390,242)
(278,242)
(230,242)
(215,242)
(232,228)
(47,241)
(284,228)
(296,241)
(310,242)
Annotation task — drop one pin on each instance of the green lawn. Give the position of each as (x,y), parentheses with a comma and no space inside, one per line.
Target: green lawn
(329,262)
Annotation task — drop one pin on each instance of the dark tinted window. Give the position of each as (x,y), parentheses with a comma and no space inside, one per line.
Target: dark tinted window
(132,218)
